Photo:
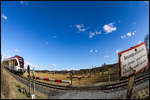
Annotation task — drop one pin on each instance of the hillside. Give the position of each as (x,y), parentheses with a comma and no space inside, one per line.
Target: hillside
(104,67)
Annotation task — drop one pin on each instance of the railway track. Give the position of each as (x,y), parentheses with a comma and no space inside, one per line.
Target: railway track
(142,77)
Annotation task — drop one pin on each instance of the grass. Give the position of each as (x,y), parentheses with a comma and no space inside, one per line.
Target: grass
(4,84)
(143,94)
(10,90)
(98,77)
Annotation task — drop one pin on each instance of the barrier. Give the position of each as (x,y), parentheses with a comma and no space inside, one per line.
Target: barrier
(53,80)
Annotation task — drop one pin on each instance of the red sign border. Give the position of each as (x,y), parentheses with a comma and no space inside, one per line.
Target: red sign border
(129,50)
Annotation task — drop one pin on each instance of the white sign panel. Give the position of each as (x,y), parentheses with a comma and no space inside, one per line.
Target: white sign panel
(33,96)
(135,58)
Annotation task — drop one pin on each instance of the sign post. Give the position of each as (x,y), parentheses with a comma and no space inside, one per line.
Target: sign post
(131,62)
(130,85)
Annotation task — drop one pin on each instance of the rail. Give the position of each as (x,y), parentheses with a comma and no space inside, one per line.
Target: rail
(123,83)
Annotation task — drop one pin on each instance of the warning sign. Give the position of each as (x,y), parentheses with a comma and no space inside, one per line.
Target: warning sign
(135,58)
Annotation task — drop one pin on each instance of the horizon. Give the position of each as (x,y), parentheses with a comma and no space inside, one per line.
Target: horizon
(71,35)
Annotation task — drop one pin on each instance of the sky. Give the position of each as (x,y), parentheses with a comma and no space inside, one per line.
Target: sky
(63,35)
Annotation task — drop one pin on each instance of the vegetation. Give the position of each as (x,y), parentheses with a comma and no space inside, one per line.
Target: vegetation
(103,74)
(5,88)
(10,90)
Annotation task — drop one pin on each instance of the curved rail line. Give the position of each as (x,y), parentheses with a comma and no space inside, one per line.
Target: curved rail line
(118,85)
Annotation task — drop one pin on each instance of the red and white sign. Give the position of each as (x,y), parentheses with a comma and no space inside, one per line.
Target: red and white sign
(135,58)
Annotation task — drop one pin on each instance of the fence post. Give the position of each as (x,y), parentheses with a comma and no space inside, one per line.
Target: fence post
(71,77)
(33,96)
(28,70)
(109,77)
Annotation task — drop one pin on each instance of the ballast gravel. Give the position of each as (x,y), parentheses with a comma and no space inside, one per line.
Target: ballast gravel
(97,94)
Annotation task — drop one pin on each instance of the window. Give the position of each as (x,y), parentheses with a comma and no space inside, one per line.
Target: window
(16,63)
(21,62)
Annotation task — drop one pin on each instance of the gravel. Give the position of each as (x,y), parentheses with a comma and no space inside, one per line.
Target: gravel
(97,94)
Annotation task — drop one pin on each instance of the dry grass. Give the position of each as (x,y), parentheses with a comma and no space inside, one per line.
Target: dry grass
(94,79)
(5,88)
(143,94)
(10,89)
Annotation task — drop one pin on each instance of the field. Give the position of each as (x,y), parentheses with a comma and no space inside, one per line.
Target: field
(103,77)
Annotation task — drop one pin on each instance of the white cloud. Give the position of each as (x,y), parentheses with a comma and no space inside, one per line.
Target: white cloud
(98,32)
(16,50)
(106,56)
(4,17)
(91,51)
(53,65)
(133,33)
(91,34)
(81,27)
(108,28)
(129,34)
(124,36)
(96,51)
(118,50)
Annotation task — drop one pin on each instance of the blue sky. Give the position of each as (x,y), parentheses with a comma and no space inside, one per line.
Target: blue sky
(71,35)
